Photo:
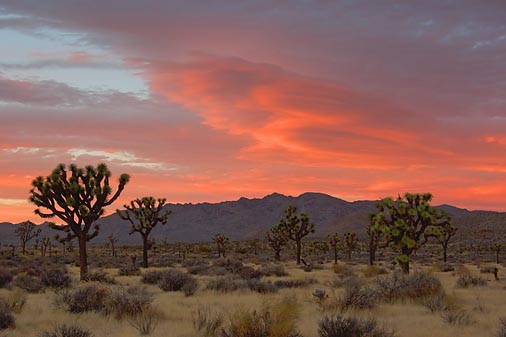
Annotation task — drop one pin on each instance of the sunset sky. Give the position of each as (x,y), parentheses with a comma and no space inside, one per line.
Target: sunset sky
(214,100)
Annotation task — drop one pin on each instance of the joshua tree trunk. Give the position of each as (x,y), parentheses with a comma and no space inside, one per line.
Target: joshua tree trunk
(445,252)
(299,251)
(145,251)
(83,258)
(335,254)
(277,255)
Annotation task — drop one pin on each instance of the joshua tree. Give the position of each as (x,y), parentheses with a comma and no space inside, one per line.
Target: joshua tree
(61,240)
(147,213)
(334,243)
(46,246)
(112,241)
(443,234)
(350,243)
(374,240)
(77,197)
(296,228)
(221,242)
(277,239)
(497,248)
(26,231)
(405,222)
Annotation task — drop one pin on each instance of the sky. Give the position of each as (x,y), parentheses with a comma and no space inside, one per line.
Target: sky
(217,100)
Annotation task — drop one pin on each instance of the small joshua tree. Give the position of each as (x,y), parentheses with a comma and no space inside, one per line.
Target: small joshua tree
(334,243)
(404,222)
(112,241)
(147,213)
(277,239)
(443,234)
(78,197)
(350,243)
(221,242)
(26,231)
(296,228)
(374,240)
(497,248)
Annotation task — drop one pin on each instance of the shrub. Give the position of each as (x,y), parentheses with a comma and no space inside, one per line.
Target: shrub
(67,331)
(56,278)
(466,281)
(371,271)
(278,319)
(16,300)
(273,270)
(339,326)
(6,317)
(129,271)
(226,284)
(152,277)
(416,286)
(459,317)
(146,321)
(101,276)
(84,299)
(262,287)
(5,277)
(249,273)
(190,287)
(232,266)
(128,302)
(357,296)
(502,328)
(173,280)
(29,283)
(342,269)
(294,283)
(206,323)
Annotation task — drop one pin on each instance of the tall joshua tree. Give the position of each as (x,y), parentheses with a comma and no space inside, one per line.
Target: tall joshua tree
(296,228)
(374,240)
(112,241)
(350,243)
(404,222)
(277,239)
(334,243)
(147,213)
(221,242)
(497,248)
(26,231)
(78,197)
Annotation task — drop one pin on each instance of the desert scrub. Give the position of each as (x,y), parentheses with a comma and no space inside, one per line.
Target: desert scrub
(401,287)
(207,323)
(5,277)
(357,296)
(101,277)
(56,278)
(343,269)
(371,271)
(173,280)
(294,283)
(273,270)
(467,281)
(501,332)
(340,326)
(31,284)
(64,330)
(146,321)
(127,302)
(458,317)
(84,299)
(6,316)
(278,319)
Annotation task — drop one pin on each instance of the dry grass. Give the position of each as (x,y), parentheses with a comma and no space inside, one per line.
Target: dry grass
(484,304)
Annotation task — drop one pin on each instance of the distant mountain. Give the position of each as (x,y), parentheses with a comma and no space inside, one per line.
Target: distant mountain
(250,218)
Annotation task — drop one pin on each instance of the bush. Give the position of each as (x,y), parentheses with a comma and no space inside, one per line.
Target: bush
(84,299)
(226,284)
(343,269)
(190,287)
(294,283)
(6,317)
(67,331)
(416,286)
(357,296)
(29,283)
(152,277)
(466,281)
(101,276)
(339,326)
(128,302)
(129,271)
(459,317)
(16,300)
(5,277)
(249,273)
(273,270)
(56,278)
(173,280)
(146,321)
(371,271)
(502,328)
(278,319)
(232,266)
(262,287)
(206,323)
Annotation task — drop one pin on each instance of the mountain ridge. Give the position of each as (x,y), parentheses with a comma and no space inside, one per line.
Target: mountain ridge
(247,218)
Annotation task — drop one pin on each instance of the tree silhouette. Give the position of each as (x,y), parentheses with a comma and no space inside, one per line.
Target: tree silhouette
(147,213)
(26,231)
(296,228)
(78,197)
